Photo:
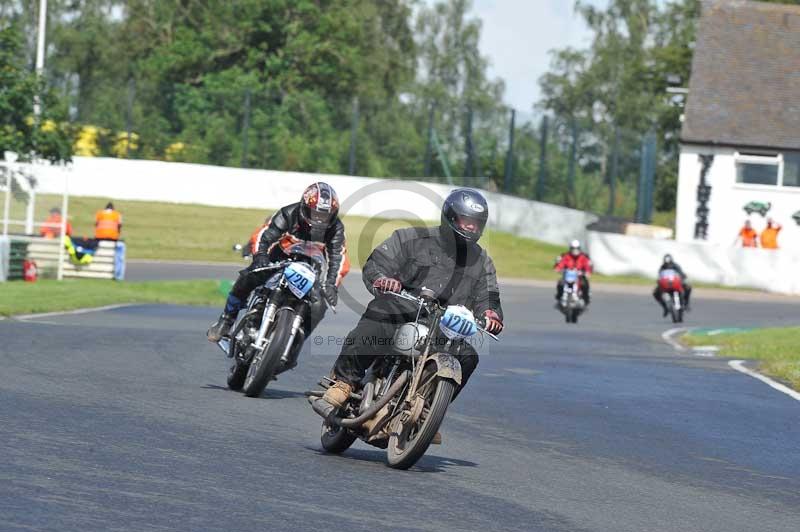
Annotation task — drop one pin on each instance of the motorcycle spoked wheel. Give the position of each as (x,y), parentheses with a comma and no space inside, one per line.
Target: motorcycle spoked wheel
(262,369)
(238,370)
(407,447)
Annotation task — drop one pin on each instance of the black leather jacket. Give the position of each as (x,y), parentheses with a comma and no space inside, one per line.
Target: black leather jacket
(459,273)
(287,221)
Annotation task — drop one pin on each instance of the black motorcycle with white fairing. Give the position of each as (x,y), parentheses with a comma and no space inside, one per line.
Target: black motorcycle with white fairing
(267,335)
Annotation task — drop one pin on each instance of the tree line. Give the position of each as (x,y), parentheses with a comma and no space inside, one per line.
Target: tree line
(385,88)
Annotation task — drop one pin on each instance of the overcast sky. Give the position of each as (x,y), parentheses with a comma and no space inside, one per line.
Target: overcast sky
(517,35)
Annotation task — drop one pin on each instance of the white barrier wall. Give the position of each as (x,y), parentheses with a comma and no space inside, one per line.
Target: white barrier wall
(266,189)
(774,271)
(726,214)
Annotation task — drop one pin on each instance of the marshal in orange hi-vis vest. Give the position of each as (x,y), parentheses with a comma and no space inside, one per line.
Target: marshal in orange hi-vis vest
(107,224)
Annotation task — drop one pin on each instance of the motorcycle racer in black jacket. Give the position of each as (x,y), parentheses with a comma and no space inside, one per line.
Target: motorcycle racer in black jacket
(446,259)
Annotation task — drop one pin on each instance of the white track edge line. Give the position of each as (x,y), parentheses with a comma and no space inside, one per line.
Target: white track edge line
(25,317)
(668,335)
(739,366)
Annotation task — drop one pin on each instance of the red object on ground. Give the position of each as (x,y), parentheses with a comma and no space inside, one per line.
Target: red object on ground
(29,271)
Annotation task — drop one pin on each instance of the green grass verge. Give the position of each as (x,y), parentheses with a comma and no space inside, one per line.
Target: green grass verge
(168,231)
(49,296)
(777,350)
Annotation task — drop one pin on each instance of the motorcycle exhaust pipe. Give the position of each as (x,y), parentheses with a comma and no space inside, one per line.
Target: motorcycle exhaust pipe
(326,410)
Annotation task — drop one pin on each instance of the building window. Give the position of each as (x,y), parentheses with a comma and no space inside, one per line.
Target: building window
(757,169)
(791,169)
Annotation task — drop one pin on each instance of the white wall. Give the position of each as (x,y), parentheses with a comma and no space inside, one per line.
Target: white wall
(774,271)
(728,198)
(268,190)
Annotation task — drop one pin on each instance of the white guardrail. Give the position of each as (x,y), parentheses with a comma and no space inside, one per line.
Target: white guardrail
(267,189)
(612,254)
(770,270)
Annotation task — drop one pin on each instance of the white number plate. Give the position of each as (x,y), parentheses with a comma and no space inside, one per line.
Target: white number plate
(300,278)
(458,322)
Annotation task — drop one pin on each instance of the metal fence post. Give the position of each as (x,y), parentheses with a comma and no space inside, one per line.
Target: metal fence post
(426,169)
(469,165)
(573,155)
(245,127)
(509,166)
(540,183)
(612,174)
(351,167)
(651,176)
(129,116)
(644,200)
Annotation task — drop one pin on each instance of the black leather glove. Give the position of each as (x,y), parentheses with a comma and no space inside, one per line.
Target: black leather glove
(331,294)
(259,261)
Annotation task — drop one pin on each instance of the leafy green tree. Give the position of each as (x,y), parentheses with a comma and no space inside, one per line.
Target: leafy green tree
(46,137)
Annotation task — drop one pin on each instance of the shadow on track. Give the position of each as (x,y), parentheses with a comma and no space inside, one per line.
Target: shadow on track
(427,464)
(269,393)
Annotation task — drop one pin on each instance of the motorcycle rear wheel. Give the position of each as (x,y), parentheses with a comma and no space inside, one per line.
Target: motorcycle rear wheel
(261,372)
(238,371)
(402,453)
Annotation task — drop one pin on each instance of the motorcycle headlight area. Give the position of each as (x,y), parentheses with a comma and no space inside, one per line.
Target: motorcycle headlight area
(300,278)
(458,322)
(409,337)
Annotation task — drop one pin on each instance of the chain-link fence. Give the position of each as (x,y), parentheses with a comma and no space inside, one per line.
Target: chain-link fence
(595,167)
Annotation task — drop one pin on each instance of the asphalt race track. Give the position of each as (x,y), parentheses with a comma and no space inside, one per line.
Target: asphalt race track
(120,420)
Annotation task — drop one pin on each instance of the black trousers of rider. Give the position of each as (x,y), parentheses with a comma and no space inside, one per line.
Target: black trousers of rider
(584,282)
(248,281)
(687,294)
(370,339)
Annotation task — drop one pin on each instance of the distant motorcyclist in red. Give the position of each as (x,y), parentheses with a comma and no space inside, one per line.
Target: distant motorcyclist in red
(669,264)
(575,259)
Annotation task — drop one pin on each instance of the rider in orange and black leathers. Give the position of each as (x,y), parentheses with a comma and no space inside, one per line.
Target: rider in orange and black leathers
(314,218)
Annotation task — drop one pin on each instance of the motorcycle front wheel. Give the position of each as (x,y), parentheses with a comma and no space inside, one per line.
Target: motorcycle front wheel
(407,447)
(263,367)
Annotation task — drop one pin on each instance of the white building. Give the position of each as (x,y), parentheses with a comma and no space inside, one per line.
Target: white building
(743,117)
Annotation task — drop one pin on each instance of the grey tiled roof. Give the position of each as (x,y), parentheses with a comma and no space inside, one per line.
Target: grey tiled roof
(745,84)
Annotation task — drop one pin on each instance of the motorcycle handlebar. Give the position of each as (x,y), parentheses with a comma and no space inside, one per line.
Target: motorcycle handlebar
(270,266)
(481,323)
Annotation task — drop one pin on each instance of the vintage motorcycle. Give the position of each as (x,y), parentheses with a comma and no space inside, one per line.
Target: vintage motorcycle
(404,394)
(670,285)
(571,303)
(267,336)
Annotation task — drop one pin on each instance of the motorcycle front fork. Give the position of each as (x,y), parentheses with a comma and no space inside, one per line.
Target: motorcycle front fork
(287,350)
(269,316)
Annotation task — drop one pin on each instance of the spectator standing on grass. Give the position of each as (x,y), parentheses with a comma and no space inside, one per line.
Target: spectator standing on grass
(107,223)
(769,236)
(51,228)
(748,236)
